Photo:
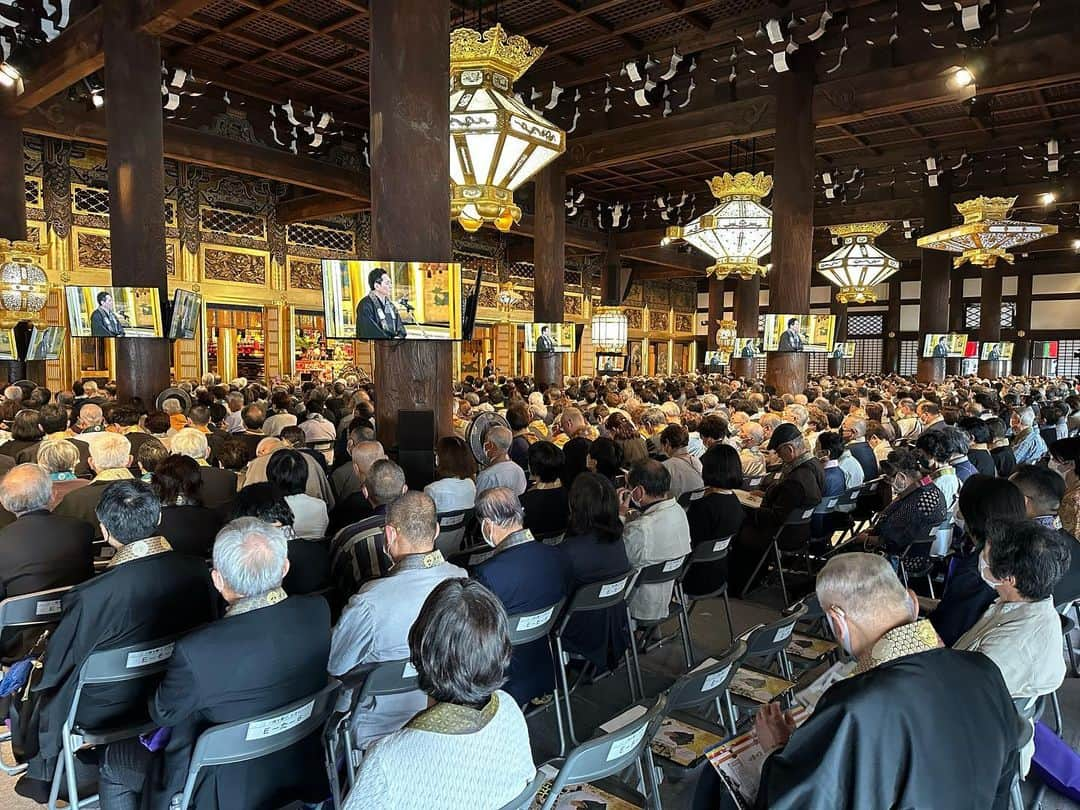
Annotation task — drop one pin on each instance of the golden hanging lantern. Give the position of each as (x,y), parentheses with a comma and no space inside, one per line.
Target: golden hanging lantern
(609,330)
(858,265)
(725,335)
(987,233)
(507,299)
(24,286)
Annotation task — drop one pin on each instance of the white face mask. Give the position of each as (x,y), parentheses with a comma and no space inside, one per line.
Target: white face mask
(484,535)
(984,572)
(843,632)
(1062,468)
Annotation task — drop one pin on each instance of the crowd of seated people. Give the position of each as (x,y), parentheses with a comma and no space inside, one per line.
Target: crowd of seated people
(276,507)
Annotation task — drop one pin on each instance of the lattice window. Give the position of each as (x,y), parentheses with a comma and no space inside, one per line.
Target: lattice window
(233,223)
(973,315)
(523,270)
(321,236)
(867,358)
(866,324)
(817,363)
(909,357)
(170,214)
(89,200)
(761,324)
(1008,314)
(1068,364)
(33,192)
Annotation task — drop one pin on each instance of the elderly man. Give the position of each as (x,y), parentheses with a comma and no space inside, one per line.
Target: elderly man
(877,738)
(253,417)
(769,422)
(110,459)
(360,544)
(751,458)
(930,417)
(501,471)
(853,431)
(684,469)
(652,421)
(375,624)
(318,485)
(656,531)
(269,650)
(1028,444)
(219,486)
(318,429)
(148,592)
(572,425)
(90,424)
(234,404)
(527,576)
(354,505)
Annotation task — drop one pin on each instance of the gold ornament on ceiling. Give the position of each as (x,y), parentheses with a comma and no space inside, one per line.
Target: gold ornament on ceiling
(987,234)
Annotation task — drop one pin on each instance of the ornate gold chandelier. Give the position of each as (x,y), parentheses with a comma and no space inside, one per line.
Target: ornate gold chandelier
(858,265)
(496,142)
(987,232)
(507,299)
(738,231)
(609,330)
(725,335)
(23,283)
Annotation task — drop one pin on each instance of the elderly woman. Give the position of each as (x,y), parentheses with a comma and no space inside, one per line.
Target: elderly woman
(25,432)
(288,471)
(460,646)
(59,457)
(622,430)
(188,525)
(917,506)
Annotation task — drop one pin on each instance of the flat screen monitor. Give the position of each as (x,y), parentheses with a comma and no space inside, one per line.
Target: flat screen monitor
(1046,350)
(997,351)
(8,349)
(716,360)
(46,343)
(185,315)
(843,350)
(550,337)
(133,312)
(399,300)
(746,347)
(945,345)
(799,333)
(610,363)
(971,350)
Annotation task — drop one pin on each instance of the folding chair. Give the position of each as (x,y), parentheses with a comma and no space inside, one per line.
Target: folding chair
(601,595)
(767,643)
(136,661)
(29,610)
(658,574)
(705,686)
(685,499)
(526,628)
(245,740)
(612,753)
(452,527)
(798,517)
(366,681)
(813,624)
(524,800)
(469,558)
(917,561)
(709,552)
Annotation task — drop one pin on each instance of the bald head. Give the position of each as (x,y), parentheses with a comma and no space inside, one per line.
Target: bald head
(862,592)
(364,454)
(90,415)
(268,446)
(26,488)
(497,441)
(415,525)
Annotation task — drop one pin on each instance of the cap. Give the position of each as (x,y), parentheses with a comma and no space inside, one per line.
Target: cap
(783,434)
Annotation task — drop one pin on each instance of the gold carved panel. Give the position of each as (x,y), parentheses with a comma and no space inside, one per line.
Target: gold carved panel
(305,275)
(93,251)
(574,305)
(633,318)
(683,323)
(234,266)
(658,321)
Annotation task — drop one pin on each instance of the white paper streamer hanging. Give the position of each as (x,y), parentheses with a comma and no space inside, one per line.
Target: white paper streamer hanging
(673,65)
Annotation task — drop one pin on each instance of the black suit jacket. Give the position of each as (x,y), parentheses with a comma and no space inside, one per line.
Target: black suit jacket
(235,668)
(790,342)
(863,453)
(104,326)
(218,488)
(81,504)
(28,455)
(368,325)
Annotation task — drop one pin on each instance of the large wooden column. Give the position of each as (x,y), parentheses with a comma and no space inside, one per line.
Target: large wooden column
(890,355)
(990,320)
(136,188)
(549,264)
(793,216)
(12,209)
(716,311)
(954,365)
(747,306)
(839,312)
(410,198)
(934,278)
(1022,362)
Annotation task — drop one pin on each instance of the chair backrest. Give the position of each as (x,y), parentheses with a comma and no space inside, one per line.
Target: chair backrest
(260,736)
(800,516)
(42,607)
(452,527)
(600,595)
(941,538)
(535,624)
(381,678)
(706,682)
(609,753)
(810,606)
(472,557)
(712,550)
(766,640)
(685,499)
(524,800)
(829,504)
(457,519)
(550,538)
(661,572)
(752,482)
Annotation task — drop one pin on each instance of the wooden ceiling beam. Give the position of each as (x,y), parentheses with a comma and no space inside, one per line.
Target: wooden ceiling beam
(318,206)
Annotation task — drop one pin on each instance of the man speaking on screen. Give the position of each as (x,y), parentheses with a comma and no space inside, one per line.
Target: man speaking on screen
(104,321)
(545,343)
(791,340)
(377,318)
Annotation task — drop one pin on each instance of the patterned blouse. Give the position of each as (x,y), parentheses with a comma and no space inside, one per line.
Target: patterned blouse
(1070,510)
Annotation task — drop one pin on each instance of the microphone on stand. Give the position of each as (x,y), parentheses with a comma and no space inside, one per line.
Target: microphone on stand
(404,302)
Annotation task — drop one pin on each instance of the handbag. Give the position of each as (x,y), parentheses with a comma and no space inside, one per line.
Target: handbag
(26,704)
(1055,763)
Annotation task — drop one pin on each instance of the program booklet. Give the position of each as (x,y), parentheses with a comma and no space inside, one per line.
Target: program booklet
(809,647)
(760,687)
(810,696)
(682,743)
(579,797)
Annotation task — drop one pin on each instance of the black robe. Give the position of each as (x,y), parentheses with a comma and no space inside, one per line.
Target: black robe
(936,729)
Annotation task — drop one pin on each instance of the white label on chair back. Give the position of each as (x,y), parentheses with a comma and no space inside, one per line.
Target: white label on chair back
(620,748)
(622,720)
(408,671)
(262,729)
(612,588)
(671,565)
(720,545)
(47,607)
(535,620)
(147,657)
(783,632)
(832,503)
(715,679)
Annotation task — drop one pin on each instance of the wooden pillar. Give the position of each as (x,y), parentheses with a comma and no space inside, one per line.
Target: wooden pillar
(954,365)
(793,217)
(716,311)
(549,264)
(747,304)
(12,209)
(890,356)
(934,278)
(839,312)
(410,199)
(990,320)
(136,188)
(1021,360)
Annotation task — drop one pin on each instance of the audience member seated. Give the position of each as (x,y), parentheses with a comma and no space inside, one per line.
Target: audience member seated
(384,484)
(269,650)
(454,487)
(605,458)
(575,460)
(828,450)
(148,592)
(751,458)
(124,419)
(151,454)
(1065,459)
(545,502)
(937,448)
(655,531)
(91,424)
(880,438)
(318,485)
(684,469)
(526,576)
(978,431)
(218,486)
(280,416)
(39,550)
(1000,448)
(25,433)
(470,748)
(889,735)
(799,487)
(375,624)
(1028,445)
(1043,490)
(715,515)
(501,471)
(355,505)
(917,506)
(53,420)
(254,417)
(593,545)
(517,417)
(288,471)
(343,479)
(309,560)
(983,501)
(318,429)
(59,459)
(110,458)
(294,439)
(621,429)
(189,526)
(853,431)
